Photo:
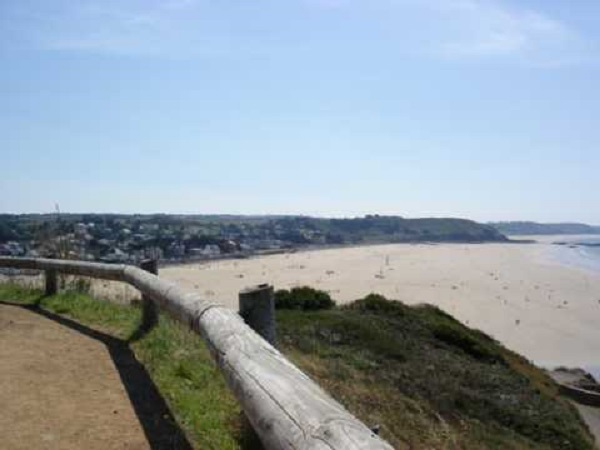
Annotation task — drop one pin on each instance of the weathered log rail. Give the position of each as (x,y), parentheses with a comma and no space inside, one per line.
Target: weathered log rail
(285,407)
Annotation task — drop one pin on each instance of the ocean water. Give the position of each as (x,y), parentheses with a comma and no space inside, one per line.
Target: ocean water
(579,253)
(595,371)
(582,252)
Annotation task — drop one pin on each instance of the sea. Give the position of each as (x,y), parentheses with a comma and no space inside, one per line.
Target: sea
(582,252)
(578,251)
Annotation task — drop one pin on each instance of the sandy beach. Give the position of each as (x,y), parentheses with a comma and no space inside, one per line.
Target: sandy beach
(528,296)
(520,294)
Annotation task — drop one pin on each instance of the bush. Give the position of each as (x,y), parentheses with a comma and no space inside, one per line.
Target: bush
(303,298)
(377,303)
(468,341)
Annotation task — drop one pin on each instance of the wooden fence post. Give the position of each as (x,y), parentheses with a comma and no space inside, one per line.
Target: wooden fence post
(149,309)
(51,281)
(257,308)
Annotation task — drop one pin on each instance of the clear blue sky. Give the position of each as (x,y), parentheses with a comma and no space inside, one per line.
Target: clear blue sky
(471,108)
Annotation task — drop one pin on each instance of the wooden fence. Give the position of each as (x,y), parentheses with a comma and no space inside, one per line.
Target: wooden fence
(285,407)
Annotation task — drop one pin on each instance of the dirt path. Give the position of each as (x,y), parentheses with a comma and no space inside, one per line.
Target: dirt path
(59,389)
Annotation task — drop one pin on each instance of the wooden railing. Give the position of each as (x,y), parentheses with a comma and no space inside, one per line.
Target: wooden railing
(285,407)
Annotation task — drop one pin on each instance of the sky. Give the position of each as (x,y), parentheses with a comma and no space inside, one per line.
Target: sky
(483,109)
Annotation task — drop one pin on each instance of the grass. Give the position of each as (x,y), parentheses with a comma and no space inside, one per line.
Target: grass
(425,379)
(428,381)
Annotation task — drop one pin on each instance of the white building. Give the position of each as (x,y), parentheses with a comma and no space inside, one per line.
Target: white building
(208,250)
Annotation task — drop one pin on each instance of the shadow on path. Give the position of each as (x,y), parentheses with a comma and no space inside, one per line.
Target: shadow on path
(160,427)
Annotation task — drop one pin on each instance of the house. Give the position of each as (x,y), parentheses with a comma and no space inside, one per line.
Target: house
(228,246)
(175,250)
(115,255)
(11,248)
(81,230)
(207,250)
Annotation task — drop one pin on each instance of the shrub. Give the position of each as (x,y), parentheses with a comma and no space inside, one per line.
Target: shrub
(461,337)
(303,298)
(378,304)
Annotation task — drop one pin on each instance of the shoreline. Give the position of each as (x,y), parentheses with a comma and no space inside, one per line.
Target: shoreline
(316,248)
(570,253)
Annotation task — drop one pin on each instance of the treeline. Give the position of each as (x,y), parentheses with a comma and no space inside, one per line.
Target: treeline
(532,228)
(376,228)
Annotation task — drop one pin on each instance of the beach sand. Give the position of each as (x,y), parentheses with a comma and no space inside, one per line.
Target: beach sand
(521,294)
(517,293)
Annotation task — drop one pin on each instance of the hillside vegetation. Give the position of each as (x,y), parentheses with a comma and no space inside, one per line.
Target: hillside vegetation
(427,380)
(532,228)
(424,379)
(97,234)
(398,229)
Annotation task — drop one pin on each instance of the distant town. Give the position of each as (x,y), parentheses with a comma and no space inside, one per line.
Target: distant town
(179,238)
